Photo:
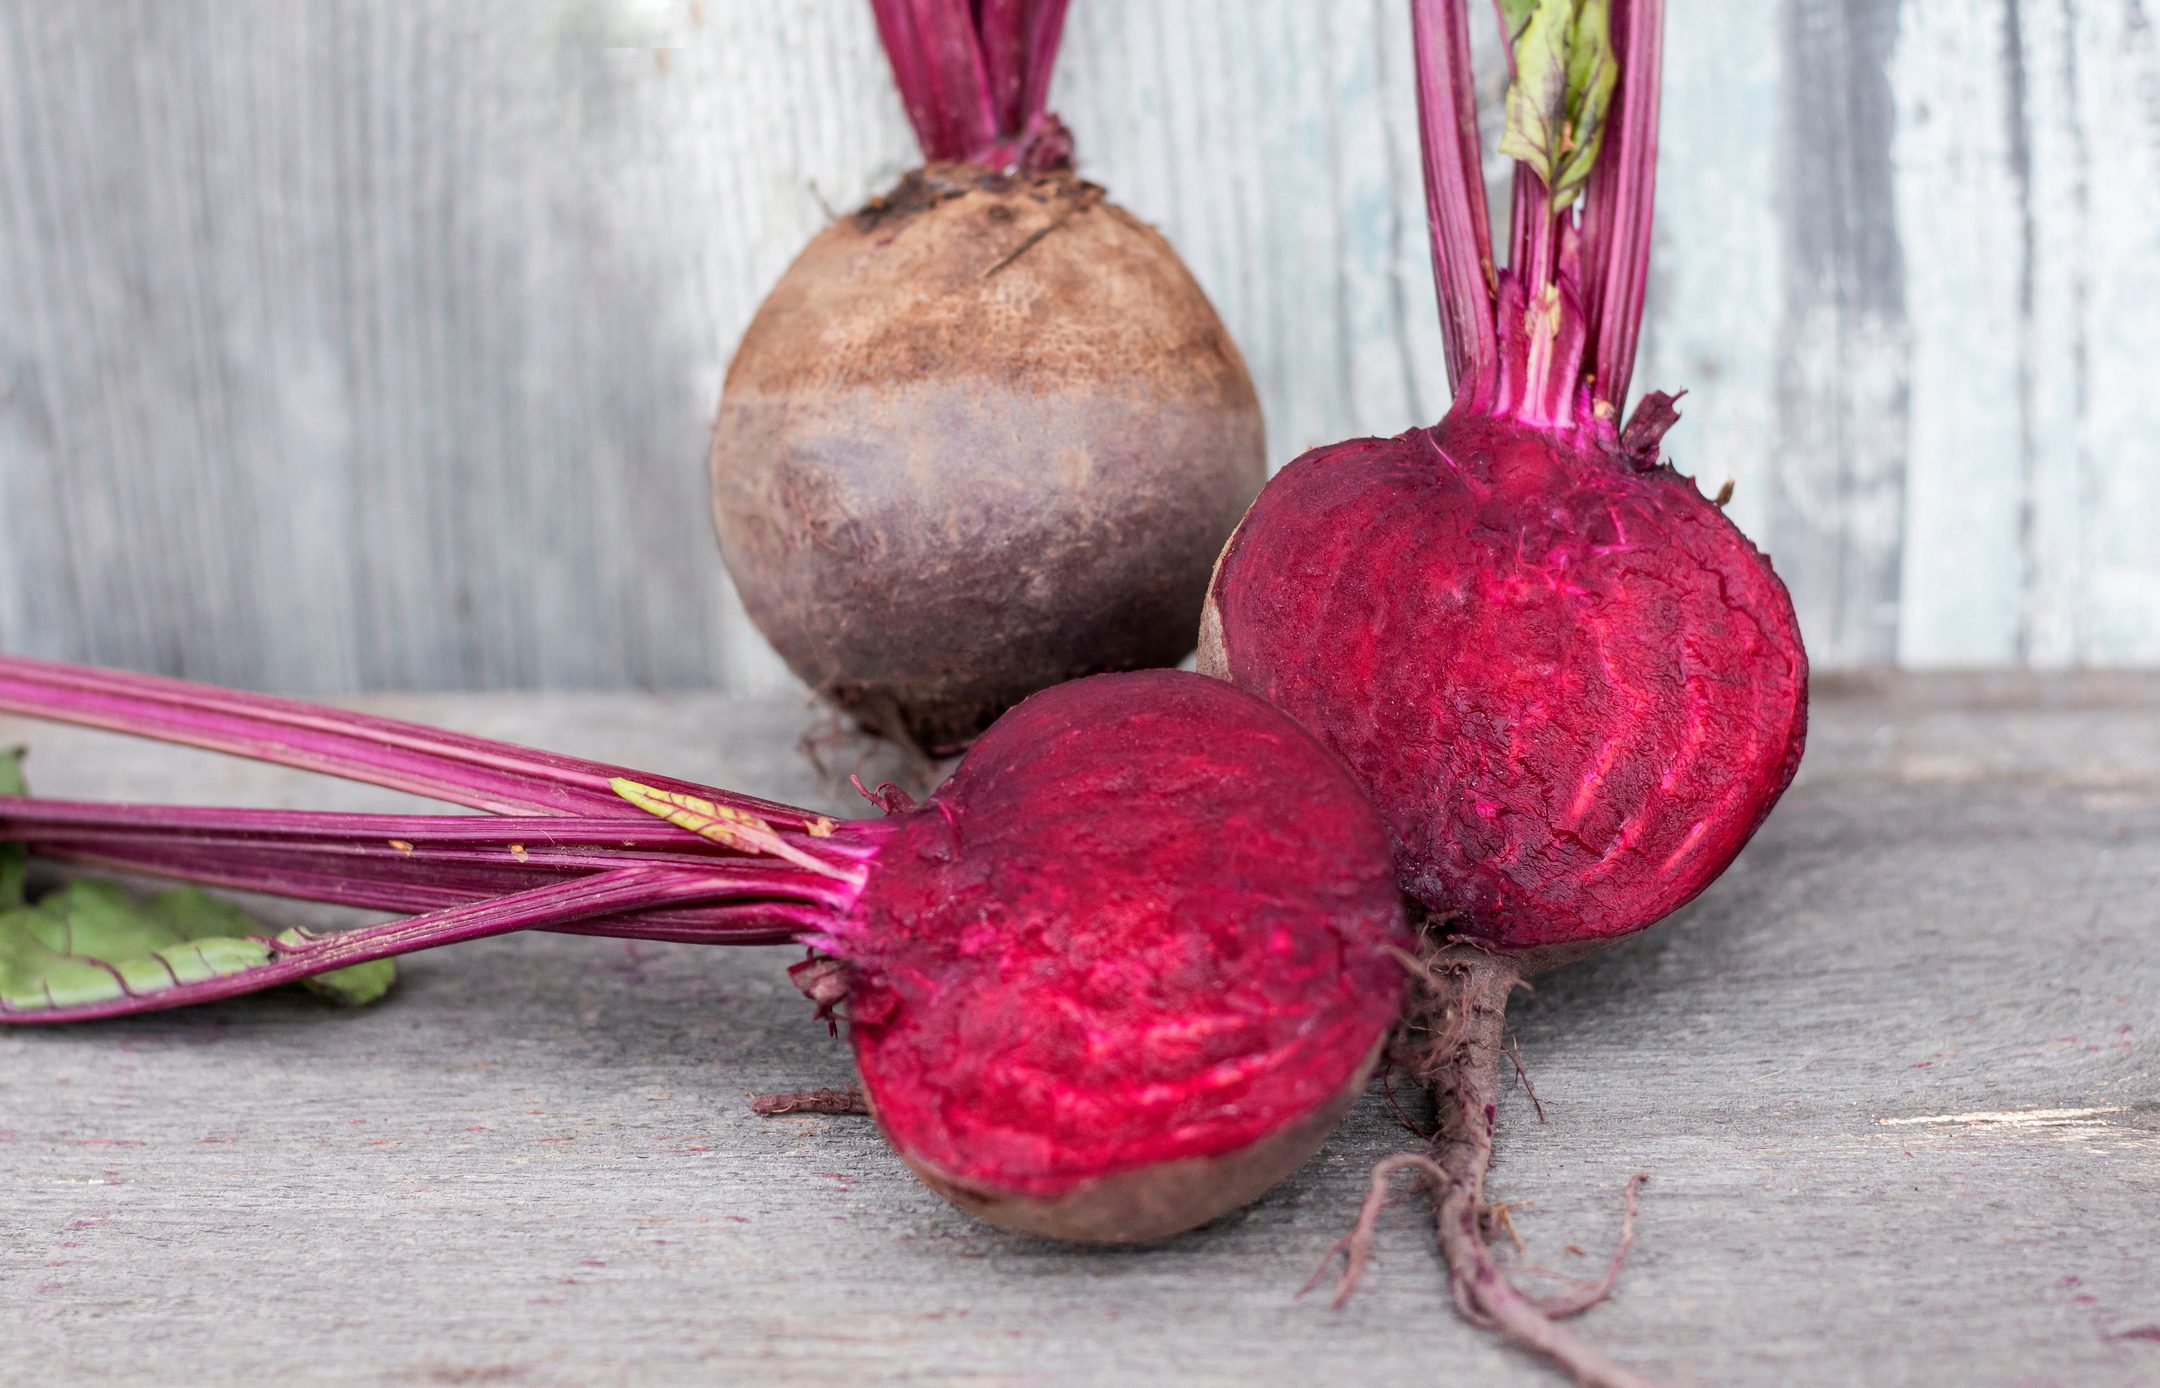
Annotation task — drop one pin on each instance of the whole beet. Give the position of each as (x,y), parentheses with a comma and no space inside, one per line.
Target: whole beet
(986,433)
(1571,685)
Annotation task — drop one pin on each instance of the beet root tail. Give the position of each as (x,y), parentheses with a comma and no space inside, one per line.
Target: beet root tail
(1460,1018)
(847,1102)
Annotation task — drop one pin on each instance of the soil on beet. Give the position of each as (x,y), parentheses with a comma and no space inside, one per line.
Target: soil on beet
(985,435)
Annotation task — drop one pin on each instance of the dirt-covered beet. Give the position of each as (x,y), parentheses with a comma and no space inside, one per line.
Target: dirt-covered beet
(985,435)
(1573,686)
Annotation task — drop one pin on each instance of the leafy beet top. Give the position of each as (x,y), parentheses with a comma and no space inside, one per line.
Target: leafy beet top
(1573,686)
(1129,931)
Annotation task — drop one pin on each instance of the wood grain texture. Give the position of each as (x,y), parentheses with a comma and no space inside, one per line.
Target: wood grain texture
(360,345)
(1894,1079)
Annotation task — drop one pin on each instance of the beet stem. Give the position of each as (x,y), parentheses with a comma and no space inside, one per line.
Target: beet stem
(1618,204)
(475,772)
(30,817)
(1533,245)
(557,851)
(561,903)
(760,907)
(1455,195)
(975,77)
(420,863)
(1530,361)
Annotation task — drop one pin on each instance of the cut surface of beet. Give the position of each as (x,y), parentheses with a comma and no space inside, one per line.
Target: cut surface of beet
(1108,945)
(1571,684)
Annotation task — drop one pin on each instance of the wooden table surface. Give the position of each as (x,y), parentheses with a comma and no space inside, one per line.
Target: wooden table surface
(1895,1078)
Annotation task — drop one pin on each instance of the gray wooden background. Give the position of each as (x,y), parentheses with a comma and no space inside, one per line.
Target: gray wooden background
(356,344)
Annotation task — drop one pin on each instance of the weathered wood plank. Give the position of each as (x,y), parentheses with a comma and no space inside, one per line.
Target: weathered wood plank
(1963,160)
(2030,507)
(1843,340)
(1894,1079)
(2116,81)
(2060,464)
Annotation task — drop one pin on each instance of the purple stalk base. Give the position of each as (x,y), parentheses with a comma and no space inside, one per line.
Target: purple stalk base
(1622,195)
(471,771)
(974,75)
(1519,339)
(769,903)
(1455,197)
(563,850)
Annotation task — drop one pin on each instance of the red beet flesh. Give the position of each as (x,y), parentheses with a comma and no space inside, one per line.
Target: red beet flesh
(1574,688)
(1125,969)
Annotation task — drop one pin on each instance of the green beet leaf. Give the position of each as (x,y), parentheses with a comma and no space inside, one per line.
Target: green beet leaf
(93,941)
(355,985)
(1565,71)
(14,857)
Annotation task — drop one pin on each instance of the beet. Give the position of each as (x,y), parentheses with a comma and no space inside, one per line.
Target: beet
(1607,692)
(1121,973)
(1108,947)
(1571,685)
(987,433)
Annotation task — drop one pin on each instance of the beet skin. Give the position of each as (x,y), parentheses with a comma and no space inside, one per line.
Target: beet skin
(985,435)
(1574,688)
